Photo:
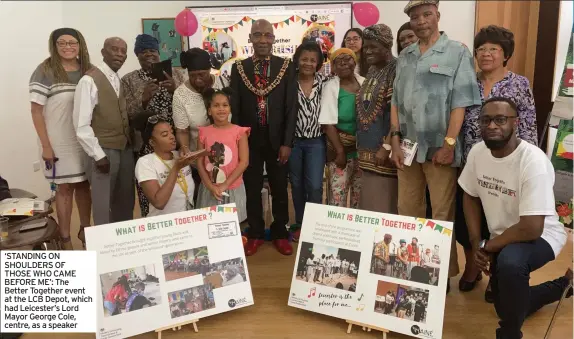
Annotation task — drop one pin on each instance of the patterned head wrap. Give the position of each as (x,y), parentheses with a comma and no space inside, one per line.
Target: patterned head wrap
(380,33)
(145,41)
(342,51)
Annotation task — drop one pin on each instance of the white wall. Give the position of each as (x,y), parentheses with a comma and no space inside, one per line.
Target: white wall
(28,46)
(457,18)
(98,20)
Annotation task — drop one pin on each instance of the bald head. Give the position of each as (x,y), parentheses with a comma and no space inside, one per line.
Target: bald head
(262,38)
(260,25)
(115,52)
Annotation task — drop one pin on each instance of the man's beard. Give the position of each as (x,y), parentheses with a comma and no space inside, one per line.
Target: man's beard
(497,144)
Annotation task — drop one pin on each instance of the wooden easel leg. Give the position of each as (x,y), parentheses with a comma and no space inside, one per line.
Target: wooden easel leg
(349,328)
(384,335)
(195,327)
(159,335)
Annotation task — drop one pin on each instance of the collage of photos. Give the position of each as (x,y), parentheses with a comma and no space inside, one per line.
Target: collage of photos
(406,259)
(191,300)
(322,35)
(402,301)
(186,263)
(328,266)
(130,290)
(225,273)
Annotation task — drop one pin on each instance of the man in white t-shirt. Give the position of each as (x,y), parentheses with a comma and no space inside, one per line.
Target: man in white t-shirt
(513,181)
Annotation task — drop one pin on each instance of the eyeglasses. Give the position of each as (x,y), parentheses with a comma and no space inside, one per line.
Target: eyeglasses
(484,50)
(343,60)
(257,36)
(499,120)
(353,39)
(62,43)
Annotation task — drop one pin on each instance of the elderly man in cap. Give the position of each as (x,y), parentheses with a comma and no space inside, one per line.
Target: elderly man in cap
(145,96)
(434,84)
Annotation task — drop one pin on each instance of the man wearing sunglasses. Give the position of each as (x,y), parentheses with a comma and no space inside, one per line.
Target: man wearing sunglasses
(265,99)
(513,181)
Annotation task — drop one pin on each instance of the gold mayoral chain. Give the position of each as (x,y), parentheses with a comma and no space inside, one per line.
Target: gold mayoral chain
(262,91)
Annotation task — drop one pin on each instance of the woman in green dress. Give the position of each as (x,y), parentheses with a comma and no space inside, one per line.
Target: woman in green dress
(339,121)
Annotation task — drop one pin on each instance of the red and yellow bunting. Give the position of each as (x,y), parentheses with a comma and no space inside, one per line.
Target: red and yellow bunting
(280,24)
(434,226)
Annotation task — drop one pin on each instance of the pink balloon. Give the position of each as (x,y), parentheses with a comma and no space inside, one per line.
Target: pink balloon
(366,13)
(186,23)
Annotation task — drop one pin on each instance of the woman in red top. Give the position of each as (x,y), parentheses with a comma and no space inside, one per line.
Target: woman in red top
(116,295)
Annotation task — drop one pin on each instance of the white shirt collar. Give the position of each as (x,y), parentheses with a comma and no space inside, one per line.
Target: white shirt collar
(107,70)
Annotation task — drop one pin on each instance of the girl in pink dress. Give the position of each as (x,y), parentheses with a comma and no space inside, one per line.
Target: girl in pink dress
(222,170)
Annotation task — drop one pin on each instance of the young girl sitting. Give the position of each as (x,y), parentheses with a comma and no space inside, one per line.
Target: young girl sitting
(222,169)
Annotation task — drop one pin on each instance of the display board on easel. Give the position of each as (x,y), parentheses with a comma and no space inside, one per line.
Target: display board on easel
(378,271)
(164,272)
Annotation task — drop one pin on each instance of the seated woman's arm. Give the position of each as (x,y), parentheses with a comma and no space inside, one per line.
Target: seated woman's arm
(181,122)
(157,195)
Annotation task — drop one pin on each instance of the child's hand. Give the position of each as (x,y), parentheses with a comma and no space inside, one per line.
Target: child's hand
(215,191)
(222,187)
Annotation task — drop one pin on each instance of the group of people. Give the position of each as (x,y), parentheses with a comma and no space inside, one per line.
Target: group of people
(187,130)
(408,305)
(317,269)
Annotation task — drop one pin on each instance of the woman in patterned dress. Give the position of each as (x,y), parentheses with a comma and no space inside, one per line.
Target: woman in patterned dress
(374,123)
(52,89)
(146,97)
(493,47)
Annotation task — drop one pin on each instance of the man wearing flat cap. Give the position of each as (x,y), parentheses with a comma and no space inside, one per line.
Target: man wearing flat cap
(434,84)
(265,99)
(145,96)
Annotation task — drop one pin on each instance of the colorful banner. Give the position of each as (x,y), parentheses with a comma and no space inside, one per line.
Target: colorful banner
(562,160)
(371,267)
(168,270)
(224,31)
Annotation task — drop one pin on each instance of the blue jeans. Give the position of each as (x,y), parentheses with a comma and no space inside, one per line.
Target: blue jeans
(306,168)
(515,299)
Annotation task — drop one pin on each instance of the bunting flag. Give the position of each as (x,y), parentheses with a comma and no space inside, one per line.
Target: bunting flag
(234,209)
(220,209)
(275,25)
(213,208)
(227,209)
(422,220)
(236,25)
(286,21)
(309,23)
(438,228)
(215,30)
(245,19)
(297,18)
(292,18)
(430,224)
(209,29)
(240,22)
(303,21)
(447,232)
(225,30)
(204,28)
(231,28)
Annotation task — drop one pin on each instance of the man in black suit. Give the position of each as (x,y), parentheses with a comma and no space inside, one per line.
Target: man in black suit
(265,99)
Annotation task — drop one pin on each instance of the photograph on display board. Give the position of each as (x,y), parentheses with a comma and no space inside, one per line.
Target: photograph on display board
(191,300)
(408,259)
(186,263)
(328,266)
(221,48)
(402,301)
(225,273)
(323,35)
(130,290)
(170,42)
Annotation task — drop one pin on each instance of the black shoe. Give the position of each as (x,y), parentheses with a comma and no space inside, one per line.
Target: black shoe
(467,286)
(488,294)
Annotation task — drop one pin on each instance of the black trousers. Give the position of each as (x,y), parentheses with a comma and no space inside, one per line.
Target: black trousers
(260,154)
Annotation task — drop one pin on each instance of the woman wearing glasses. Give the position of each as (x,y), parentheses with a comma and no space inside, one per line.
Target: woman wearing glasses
(164,175)
(338,118)
(52,87)
(353,40)
(493,47)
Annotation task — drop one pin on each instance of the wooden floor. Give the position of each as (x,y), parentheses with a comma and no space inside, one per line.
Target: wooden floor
(467,315)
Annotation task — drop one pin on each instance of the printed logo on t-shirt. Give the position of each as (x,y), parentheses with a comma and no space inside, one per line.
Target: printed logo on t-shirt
(495,186)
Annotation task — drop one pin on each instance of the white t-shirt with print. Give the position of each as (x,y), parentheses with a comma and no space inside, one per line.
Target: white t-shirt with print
(150,167)
(520,184)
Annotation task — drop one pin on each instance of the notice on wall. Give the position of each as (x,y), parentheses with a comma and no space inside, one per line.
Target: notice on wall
(165,270)
(378,269)
(48,291)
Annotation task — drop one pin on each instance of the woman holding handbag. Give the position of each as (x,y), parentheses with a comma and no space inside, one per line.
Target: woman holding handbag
(338,118)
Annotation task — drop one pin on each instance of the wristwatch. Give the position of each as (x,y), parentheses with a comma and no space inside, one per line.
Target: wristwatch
(482,245)
(450,141)
(387,147)
(396,133)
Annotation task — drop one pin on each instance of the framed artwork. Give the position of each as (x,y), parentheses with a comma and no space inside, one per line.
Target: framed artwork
(170,42)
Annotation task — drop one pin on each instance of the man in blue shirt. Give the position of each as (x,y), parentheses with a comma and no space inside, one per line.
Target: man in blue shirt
(434,84)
